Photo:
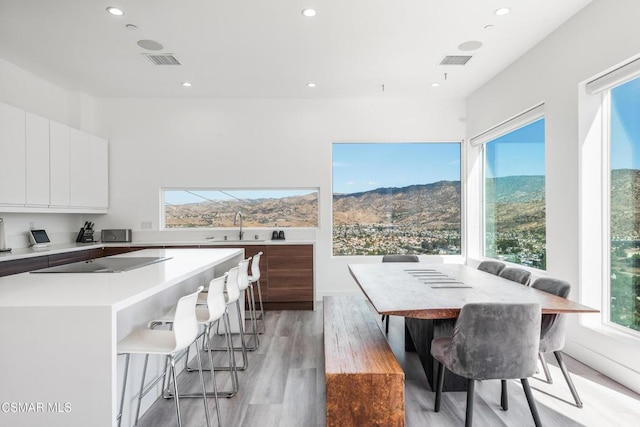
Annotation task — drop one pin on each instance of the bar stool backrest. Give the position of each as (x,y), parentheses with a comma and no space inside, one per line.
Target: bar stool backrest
(243,274)
(255,267)
(215,299)
(185,322)
(233,292)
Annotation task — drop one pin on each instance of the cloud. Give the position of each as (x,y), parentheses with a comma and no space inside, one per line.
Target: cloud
(373,183)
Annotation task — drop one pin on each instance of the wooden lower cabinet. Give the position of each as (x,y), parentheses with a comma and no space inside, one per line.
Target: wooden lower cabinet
(286,276)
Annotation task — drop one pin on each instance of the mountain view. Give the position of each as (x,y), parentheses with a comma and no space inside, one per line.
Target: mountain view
(295,211)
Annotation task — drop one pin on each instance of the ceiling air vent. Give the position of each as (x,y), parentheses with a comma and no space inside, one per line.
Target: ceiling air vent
(162,58)
(455,60)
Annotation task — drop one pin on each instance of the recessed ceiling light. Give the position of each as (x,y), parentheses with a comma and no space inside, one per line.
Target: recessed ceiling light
(115,11)
(502,11)
(309,13)
(311,85)
(131,27)
(186,84)
(436,84)
(489,27)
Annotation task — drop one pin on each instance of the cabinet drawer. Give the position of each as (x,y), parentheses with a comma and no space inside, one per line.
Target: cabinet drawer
(22,265)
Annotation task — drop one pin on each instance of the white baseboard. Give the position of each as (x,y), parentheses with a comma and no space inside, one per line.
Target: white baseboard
(604,364)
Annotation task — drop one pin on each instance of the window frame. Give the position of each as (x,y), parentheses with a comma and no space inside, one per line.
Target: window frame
(462,168)
(163,223)
(513,124)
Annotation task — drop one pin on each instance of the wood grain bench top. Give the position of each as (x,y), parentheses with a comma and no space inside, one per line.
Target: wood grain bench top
(353,341)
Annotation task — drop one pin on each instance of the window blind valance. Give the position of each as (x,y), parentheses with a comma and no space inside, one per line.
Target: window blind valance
(518,121)
(613,78)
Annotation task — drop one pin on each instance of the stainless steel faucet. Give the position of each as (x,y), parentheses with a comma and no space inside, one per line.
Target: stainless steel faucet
(235,220)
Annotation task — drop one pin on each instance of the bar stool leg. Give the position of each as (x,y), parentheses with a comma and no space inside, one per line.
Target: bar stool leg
(124,387)
(144,375)
(207,331)
(204,390)
(264,325)
(172,361)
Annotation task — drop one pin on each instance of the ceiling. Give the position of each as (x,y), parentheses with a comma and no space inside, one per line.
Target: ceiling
(267,48)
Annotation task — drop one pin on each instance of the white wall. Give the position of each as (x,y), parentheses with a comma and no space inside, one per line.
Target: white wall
(602,35)
(253,143)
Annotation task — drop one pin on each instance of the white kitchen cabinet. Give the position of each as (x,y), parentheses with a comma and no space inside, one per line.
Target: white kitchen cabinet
(37,160)
(79,168)
(99,172)
(59,164)
(12,156)
(89,174)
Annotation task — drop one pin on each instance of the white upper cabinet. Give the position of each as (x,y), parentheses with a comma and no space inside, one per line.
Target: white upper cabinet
(80,168)
(12,156)
(89,170)
(99,172)
(46,166)
(59,164)
(37,160)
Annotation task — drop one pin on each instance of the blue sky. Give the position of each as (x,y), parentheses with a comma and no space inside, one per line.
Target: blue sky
(625,126)
(520,152)
(366,166)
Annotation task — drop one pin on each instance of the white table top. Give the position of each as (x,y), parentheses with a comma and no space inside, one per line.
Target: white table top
(118,290)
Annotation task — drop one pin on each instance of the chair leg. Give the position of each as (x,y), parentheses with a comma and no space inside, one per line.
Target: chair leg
(172,362)
(204,389)
(207,331)
(545,368)
(531,401)
(504,396)
(124,387)
(264,325)
(144,375)
(567,377)
(439,385)
(468,422)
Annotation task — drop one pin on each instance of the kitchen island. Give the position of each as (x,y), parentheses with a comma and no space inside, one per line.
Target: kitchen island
(59,333)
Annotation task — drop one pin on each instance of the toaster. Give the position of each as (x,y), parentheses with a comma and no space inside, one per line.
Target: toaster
(116,235)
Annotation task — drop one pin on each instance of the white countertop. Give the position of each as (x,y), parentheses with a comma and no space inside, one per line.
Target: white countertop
(21,253)
(118,290)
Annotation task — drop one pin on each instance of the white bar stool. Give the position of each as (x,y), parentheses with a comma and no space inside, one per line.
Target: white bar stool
(254,278)
(216,310)
(169,343)
(243,284)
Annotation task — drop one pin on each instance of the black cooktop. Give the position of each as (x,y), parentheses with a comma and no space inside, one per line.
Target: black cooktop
(103,265)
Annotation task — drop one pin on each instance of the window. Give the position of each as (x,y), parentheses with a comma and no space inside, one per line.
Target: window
(396,198)
(217,208)
(624,203)
(514,194)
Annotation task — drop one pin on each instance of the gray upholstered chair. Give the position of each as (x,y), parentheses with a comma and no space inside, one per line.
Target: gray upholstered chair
(491,341)
(516,275)
(553,332)
(493,267)
(396,258)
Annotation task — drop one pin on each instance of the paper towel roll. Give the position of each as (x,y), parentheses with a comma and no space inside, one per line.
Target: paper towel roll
(3,239)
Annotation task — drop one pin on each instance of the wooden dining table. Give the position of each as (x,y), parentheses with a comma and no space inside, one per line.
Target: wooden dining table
(430,296)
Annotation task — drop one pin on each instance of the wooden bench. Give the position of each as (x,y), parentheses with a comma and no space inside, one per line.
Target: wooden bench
(364,381)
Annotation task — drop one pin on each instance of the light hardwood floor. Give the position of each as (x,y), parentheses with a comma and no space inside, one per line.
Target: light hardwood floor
(284,386)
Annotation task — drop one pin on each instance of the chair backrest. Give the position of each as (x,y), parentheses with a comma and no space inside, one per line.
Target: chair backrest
(553,329)
(400,258)
(516,275)
(255,267)
(231,285)
(495,341)
(185,322)
(493,267)
(216,304)
(243,274)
